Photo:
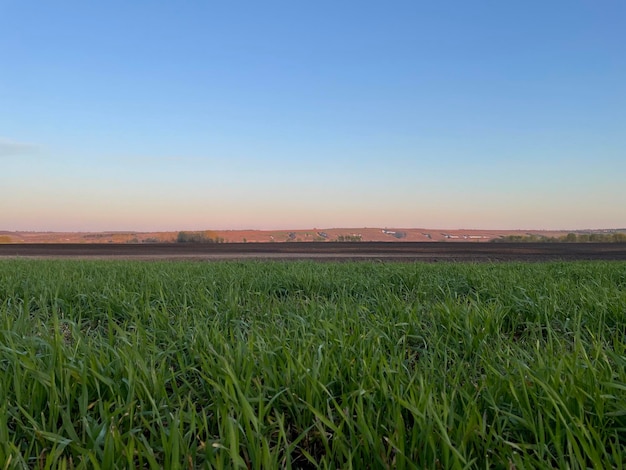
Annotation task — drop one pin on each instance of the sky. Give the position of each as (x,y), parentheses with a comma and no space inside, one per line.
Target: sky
(160,115)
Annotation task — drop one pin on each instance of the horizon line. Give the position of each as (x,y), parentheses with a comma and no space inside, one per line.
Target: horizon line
(317,228)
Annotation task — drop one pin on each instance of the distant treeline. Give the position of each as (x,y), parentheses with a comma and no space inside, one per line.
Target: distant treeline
(198,237)
(349,238)
(569,238)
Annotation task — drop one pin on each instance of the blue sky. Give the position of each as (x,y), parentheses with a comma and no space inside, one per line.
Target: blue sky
(148,115)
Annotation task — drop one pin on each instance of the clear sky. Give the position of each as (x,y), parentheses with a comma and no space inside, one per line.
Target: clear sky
(154,115)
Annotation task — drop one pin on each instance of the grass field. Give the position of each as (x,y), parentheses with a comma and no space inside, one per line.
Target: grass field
(107,364)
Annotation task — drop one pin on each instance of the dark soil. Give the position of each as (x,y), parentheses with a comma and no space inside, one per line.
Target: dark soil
(395,251)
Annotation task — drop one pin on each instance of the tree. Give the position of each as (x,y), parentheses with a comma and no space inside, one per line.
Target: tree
(197,237)
(571,237)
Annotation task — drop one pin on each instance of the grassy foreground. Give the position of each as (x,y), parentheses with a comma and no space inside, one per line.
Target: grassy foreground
(304,365)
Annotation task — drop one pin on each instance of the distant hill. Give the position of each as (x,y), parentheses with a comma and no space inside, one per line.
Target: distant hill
(387,234)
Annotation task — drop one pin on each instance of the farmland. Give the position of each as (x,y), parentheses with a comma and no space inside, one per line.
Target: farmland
(270,364)
(329,251)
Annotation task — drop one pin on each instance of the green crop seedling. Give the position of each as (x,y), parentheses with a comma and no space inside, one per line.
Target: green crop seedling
(118,364)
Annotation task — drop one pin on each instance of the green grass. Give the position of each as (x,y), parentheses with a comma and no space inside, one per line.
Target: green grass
(304,365)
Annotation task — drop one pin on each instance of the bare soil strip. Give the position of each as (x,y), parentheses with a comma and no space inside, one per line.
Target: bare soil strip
(326,251)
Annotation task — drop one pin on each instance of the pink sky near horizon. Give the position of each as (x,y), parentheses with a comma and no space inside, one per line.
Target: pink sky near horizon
(148,209)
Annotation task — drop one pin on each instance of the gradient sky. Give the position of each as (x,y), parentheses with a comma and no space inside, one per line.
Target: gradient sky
(153,115)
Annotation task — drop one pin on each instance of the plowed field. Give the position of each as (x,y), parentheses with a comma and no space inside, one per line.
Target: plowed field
(429,252)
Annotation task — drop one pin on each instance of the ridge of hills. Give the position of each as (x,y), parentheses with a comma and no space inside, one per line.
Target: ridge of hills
(267,236)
